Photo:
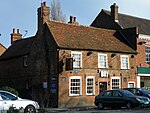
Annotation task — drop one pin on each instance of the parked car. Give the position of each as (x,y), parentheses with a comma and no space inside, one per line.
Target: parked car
(139,91)
(8,100)
(120,98)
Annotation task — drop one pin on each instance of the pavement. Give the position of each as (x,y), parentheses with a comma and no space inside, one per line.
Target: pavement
(47,110)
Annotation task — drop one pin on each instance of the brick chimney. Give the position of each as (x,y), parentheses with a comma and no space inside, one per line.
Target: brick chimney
(114,12)
(15,35)
(73,20)
(43,14)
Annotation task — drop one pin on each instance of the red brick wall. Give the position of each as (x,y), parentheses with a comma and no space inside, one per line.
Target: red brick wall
(90,68)
(141,56)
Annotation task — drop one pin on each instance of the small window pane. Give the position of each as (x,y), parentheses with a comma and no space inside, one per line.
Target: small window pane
(75,86)
(90,86)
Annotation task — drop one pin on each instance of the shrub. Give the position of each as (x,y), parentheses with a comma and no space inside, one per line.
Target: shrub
(9,89)
(13,109)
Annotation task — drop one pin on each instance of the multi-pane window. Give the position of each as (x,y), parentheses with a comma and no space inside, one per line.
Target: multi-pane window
(124,62)
(147,51)
(115,82)
(90,86)
(102,60)
(75,86)
(77,59)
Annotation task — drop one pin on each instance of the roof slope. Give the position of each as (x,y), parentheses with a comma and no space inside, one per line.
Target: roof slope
(2,49)
(126,21)
(18,48)
(82,37)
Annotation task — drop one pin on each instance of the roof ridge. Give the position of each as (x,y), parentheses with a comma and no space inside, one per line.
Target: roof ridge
(128,15)
(91,27)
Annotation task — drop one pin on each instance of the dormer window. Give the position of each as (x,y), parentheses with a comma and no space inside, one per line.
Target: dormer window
(25,60)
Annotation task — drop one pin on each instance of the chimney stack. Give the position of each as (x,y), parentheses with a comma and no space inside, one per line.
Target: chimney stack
(73,20)
(43,15)
(15,35)
(114,12)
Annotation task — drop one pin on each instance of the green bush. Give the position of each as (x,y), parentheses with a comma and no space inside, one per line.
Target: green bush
(9,89)
(14,110)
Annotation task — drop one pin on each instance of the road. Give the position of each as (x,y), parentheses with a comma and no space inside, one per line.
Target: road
(95,110)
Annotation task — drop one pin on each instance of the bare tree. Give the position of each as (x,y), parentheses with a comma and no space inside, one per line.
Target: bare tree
(56,11)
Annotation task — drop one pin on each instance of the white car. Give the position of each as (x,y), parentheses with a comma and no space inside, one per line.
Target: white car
(8,100)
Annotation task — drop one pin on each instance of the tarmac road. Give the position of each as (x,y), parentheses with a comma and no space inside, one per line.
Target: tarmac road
(95,110)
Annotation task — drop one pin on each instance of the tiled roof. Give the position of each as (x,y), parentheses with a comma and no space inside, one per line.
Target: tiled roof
(2,49)
(87,38)
(125,21)
(18,48)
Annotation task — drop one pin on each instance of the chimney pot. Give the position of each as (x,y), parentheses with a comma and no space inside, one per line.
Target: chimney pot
(43,16)
(74,19)
(13,30)
(44,4)
(114,12)
(15,36)
(17,31)
(71,18)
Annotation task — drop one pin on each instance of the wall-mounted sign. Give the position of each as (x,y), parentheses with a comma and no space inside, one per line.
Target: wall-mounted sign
(104,74)
(76,71)
(63,79)
(45,85)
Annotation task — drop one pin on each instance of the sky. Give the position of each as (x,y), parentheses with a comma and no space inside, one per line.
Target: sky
(22,14)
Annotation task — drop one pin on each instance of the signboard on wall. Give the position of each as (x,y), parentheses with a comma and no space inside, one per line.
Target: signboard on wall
(104,74)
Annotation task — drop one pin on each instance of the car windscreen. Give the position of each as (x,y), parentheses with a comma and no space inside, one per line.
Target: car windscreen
(145,91)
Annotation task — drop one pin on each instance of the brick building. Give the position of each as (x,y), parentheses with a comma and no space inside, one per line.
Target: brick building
(67,64)
(116,21)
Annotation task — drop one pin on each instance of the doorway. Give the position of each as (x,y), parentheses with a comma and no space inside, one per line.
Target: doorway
(102,86)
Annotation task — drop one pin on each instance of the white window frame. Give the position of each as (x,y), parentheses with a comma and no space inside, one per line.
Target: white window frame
(76,60)
(131,83)
(122,63)
(105,62)
(93,85)
(147,54)
(80,86)
(112,82)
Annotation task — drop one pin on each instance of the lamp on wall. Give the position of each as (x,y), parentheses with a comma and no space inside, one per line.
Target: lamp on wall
(89,53)
(132,56)
(141,42)
(113,54)
(96,83)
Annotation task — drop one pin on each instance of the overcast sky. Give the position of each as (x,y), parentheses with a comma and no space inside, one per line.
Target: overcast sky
(22,14)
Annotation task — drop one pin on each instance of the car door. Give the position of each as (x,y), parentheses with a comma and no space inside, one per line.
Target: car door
(107,98)
(1,104)
(117,98)
(6,103)
(8,100)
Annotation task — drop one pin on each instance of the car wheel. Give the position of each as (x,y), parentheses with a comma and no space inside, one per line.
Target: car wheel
(128,105)
(30,109)
(100,106)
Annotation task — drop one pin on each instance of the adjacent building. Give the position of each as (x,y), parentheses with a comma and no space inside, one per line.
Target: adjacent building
(67,64)
(116,21)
